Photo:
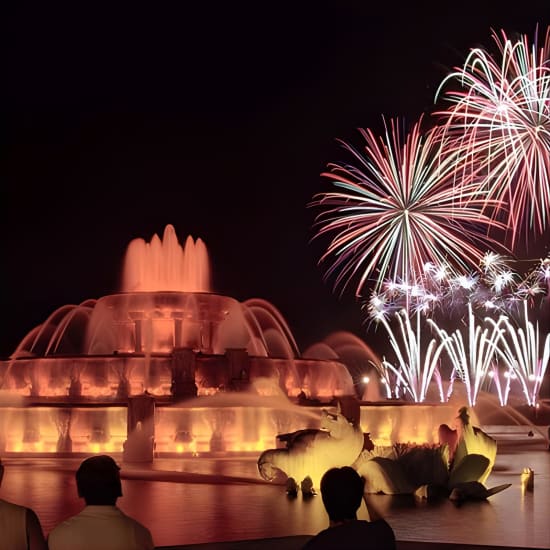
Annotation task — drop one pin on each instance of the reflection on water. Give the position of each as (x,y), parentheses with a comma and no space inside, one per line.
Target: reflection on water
(204,500)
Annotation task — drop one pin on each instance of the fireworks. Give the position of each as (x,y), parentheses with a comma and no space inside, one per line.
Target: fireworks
(419,219)
(399,209)
(500,115)
(520,348)
(502,386)
(495,286)
(415,367)
(470,357)
(495,349)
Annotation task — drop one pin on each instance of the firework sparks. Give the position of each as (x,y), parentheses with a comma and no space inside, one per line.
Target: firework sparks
(520,348)
(400,209)
(471,357)
(415,366)
(502,386)
(501,117)
(494,287)
(410,216)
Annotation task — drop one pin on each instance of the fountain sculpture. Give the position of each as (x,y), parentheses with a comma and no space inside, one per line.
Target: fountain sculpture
(310,453)
(456,467)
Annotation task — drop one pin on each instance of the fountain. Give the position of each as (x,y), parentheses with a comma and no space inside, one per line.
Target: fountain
(85,375)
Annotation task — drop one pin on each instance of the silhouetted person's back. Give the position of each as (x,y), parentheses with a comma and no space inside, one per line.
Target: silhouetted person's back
(100,525)
(19,526)
(342,493)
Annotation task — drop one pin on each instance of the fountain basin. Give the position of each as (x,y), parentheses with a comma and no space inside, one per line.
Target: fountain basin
(221,424)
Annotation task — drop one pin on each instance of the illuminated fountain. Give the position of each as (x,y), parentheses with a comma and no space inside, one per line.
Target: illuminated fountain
(94,373)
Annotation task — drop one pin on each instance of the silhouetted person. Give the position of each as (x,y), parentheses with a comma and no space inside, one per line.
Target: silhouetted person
(19,526)
(342,493)
(100,525)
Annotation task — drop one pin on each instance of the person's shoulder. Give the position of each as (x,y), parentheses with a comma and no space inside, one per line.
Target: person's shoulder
(65,526)
(58,534)
(131,520)
(142,534)
(144,538)
(379,525)
(354,534)
(61,527)
(16,510)
(11,505)
(316,541)
(379,531)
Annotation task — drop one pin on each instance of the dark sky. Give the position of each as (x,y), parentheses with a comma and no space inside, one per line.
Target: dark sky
(217,119)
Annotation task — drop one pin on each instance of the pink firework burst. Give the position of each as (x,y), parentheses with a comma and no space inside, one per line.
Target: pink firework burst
(499,115)
(399,207)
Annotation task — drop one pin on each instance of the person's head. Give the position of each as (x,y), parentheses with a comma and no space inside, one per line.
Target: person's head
(98,481)
(342,491)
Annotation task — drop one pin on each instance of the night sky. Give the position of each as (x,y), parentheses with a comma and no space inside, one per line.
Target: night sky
(217,119)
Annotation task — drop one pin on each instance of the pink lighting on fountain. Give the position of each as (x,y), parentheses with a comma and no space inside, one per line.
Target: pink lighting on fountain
(164,265)
(166,337)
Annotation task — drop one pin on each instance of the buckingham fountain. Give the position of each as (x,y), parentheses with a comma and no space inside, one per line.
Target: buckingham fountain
(162,358)
(168,366)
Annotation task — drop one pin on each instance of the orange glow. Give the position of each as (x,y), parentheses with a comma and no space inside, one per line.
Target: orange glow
(109,447)
(182,268)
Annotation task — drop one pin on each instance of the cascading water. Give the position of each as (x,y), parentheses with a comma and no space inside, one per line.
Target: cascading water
(164,265)
(167,336)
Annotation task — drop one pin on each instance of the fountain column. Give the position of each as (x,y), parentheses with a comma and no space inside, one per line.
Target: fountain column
(63,424)
(137,318)
(183,373)
(31,427)
(75,386)
(239,368)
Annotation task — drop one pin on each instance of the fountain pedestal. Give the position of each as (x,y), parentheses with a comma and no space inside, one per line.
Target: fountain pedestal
(183,373)
(238,362)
